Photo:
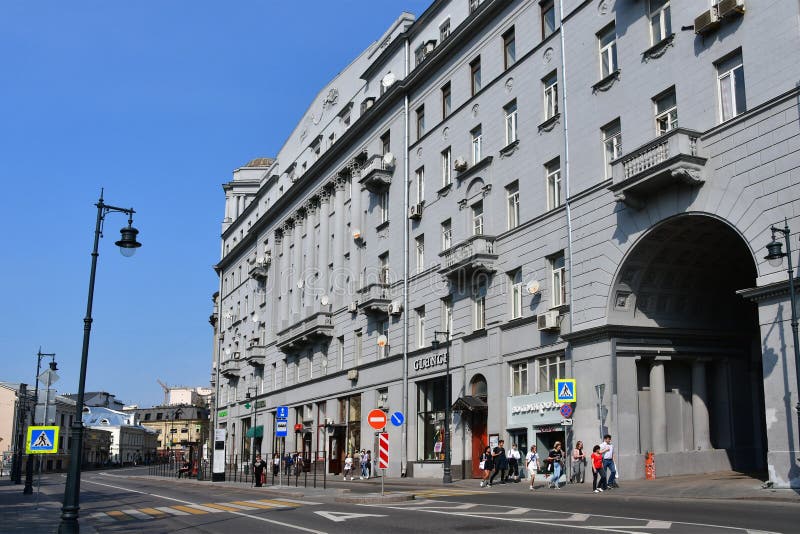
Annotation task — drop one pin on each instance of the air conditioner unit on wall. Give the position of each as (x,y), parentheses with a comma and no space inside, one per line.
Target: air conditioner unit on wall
(415,211)
(353,307)
(395,308)
(729,8)
(352,374)
(460,164)
(549,320)
(706,22)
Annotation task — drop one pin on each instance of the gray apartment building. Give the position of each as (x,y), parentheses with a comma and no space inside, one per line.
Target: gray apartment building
(555,189)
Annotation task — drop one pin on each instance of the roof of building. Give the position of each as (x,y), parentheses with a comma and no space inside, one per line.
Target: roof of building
(260,162)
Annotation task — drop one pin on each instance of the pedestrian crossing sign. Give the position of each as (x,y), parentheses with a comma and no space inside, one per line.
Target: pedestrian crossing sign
(565,390)
(42,440)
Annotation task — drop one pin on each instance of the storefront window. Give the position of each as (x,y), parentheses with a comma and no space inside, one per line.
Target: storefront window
(431,405)
(354,424)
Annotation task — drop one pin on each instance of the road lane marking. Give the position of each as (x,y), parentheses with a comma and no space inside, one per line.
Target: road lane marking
(189,510)
(279,502)
(205,508)
(171,511)
(116,514)
(257,504)
(221,507)
(102,516)
(152,511)
(340,517)
(137,514)
(239,506)
(136,491)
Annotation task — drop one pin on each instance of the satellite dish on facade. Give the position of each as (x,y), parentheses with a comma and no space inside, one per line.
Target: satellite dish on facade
(255,317)
(381,340)
(533,287)
(389,159)
(388,80)
(324,300)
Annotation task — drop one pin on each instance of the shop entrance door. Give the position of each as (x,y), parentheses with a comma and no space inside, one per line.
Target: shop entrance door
(479,441)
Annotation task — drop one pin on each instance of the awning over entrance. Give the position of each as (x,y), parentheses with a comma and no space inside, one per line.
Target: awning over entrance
(255,432)
(470,403)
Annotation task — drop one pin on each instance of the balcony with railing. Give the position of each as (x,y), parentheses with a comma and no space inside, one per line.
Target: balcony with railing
(305,331)
(256,355)
(473,255)
(374,298)
(232,366)
(376,174)
(674,157)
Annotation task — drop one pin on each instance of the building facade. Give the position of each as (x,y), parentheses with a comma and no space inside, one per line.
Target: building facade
(179,428)
(130,443)
(465,177)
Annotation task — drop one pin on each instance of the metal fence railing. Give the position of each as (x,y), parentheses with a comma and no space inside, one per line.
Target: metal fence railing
(300,470)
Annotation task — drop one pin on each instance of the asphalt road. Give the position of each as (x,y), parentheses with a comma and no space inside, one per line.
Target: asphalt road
(114,502)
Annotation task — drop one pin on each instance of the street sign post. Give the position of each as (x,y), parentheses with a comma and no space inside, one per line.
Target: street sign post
(566,411)
(377,419)
(281,428)
(282,412)
(281,431)
(383,455)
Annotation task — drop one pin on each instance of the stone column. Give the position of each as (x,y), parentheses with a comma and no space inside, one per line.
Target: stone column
(323,259)
(356,224)
(283,276)
(274,284)
(309,265)
(700,425)
(297,268)
(658,406)
(338,276)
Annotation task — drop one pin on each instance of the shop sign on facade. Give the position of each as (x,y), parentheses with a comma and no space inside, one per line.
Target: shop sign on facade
(426,362)
(525,411)
(534,407)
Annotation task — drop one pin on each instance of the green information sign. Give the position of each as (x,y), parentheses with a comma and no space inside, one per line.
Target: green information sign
(223,413)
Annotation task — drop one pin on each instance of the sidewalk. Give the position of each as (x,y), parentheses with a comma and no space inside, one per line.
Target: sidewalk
(20,514)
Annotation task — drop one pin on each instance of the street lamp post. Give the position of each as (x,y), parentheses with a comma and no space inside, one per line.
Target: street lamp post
(775,258)
(127,245)
(252,400)
(447,476)
(28,489)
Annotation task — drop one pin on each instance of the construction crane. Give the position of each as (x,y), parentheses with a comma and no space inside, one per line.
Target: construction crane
(166,391)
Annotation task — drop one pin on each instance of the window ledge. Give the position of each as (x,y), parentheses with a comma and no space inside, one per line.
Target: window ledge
(519,321)
(659,49)
(481,332)
(550,123)
(606,83)
(444,190)
(560,309)
(509,149)
(382,226)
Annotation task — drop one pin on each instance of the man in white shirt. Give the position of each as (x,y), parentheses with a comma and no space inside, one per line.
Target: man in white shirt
(607,450)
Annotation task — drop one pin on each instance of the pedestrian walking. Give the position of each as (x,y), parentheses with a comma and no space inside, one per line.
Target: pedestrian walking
(598,473)
(369,464)
(363,464)
(276,465)
(607,450)
(287,464)
(258,470)
(578,475)
(556,459)
(486,465)
(500,462)
(513,463)
(348,467)
(532,463)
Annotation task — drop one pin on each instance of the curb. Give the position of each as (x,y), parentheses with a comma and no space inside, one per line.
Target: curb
(373,498)
(262,490)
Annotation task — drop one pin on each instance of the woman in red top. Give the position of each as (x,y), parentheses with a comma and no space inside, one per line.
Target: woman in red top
(598,471)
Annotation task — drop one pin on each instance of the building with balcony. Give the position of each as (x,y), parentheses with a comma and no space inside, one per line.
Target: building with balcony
(466,173)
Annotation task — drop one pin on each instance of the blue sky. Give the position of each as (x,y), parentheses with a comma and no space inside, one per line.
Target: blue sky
(157,102)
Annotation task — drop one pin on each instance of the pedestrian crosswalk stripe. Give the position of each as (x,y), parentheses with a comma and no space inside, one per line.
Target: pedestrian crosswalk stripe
(240,507)
(301,503)
(152,511)
(205,508)
(172,511)
(278,502)
(256,504)
(137,514)
(189,509)
(116,514)
(102,516)
(220,507)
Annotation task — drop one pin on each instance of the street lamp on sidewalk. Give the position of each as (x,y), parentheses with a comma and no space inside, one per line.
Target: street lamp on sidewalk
(775,258)
(127,245)
(447,476)
(251,399)
(28,489)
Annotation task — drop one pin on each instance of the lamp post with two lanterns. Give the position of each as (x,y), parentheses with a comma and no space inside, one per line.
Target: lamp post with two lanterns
(447,476)
(127,245)
(775,257)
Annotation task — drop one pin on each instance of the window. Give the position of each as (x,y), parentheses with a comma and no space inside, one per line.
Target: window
(548,19)
(447,168)
(519,378)
(479,307)
(550,85)
(384,272)
(447,101)
(447,234)
(660,24)
(612,144)
(511,122)
(383,398)
(420,122)
(553,175)
(730,76)
(447,315)
(420,327)
(359,347)
(340,351)
(430,426)
(420,179)
(509,49)
(607,40)
(474,4)
(477,218)
(515,302)
(477,144)
(559,280)
(475,76)
(444,30)
(386,143)
(666,111)
(383,201)
(420,248)
(512,203)
(548,370)
(382,329)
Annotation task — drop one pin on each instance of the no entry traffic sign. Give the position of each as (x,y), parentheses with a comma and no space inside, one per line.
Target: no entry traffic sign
(383,450)
(377,419)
